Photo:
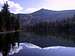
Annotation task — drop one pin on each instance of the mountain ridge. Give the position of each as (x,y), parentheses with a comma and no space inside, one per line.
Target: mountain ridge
(43,15)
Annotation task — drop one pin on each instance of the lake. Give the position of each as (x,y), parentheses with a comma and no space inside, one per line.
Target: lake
(36,45)
(28,49)
(44,41)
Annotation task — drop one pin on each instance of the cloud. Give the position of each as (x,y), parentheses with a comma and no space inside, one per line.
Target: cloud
(13,7)
(2,1)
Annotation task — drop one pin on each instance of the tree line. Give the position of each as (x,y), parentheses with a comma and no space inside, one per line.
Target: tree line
(64,28)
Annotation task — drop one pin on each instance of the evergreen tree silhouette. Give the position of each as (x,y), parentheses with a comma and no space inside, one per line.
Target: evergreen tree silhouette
(8,22)
(5,16)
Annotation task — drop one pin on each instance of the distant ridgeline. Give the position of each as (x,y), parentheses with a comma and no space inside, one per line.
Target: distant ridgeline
(47,21)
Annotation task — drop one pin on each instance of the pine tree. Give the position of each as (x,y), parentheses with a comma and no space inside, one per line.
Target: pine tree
(8,23)
(5,16)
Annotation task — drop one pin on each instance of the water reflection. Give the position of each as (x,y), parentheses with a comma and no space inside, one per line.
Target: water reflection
(6,40)
(28,49)
(25,50)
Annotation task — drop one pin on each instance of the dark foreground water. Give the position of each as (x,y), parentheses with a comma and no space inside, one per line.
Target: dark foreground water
(27,49)
(56,47)
(45,41)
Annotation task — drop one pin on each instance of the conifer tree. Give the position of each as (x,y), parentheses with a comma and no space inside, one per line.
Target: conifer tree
(5,16)
(8,23)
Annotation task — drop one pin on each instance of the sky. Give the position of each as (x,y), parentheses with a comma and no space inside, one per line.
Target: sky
(29,6)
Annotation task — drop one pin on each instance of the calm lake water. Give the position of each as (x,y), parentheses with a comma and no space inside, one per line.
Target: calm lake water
(44,41)
(35,45)
(28,49)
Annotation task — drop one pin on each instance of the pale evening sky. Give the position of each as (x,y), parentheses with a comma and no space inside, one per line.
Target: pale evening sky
(29,6)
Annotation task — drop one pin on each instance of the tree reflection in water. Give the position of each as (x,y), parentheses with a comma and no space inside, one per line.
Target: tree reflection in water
(6,40)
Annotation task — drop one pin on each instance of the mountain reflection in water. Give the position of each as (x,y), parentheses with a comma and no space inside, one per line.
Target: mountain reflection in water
(28,49)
